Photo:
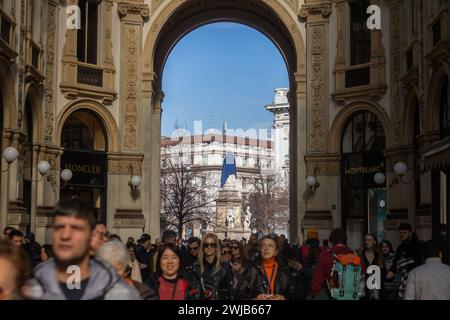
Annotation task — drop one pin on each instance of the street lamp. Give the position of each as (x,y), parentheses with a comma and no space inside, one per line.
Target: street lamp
(10,154)
(312,183)
(400,169)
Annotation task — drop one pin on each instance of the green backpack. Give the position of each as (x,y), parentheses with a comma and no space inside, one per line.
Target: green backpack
(345,282)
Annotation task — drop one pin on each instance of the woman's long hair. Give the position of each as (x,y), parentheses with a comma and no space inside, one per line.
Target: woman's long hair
(201,256)
(242,253)
(376,248)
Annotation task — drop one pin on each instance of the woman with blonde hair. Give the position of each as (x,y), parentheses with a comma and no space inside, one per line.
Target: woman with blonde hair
(214,275)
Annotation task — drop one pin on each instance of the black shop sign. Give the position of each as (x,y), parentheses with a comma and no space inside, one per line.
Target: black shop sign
(89,169)
(358,169)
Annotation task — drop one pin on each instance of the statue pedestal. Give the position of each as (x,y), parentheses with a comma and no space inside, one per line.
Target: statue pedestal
(229,216)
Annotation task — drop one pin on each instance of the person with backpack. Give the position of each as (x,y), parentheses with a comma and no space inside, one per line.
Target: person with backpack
(338,271)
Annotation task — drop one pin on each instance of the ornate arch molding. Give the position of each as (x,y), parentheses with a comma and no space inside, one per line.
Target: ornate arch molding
(174,19)
(409,113)
(345,114)
(9,97)
(434,94)
(112,131)
(35,97)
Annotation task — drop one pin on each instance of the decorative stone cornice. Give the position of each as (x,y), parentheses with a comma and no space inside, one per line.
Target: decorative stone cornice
(315,8)
(133,7)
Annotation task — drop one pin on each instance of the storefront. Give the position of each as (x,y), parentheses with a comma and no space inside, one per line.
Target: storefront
(84,142)
(437,161)
(363,200)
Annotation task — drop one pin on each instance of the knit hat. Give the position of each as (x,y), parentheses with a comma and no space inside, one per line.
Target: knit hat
(312,234)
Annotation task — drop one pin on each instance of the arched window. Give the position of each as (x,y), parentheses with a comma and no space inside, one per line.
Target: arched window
(83,131)
(85,144)
(444,110)
(363,133)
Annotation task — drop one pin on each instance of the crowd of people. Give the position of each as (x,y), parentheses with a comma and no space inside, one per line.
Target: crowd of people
(170,268)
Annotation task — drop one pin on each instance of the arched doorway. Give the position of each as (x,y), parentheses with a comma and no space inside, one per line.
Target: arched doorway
(176,19)
(362,145)
(85,144)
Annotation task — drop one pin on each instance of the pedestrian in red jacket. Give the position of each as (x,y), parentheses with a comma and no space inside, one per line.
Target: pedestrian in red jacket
(326,260)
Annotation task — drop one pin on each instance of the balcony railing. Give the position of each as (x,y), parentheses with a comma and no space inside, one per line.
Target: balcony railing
(90,76)
(357,77)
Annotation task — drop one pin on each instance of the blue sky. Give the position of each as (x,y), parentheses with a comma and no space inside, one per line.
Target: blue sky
(221,72)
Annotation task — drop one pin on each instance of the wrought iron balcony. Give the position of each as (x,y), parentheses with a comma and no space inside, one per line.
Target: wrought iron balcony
(90,76)
(357,77)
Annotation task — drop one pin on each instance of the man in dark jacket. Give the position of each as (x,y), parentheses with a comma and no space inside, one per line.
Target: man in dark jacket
(325,262)
(144,254)
(407,257)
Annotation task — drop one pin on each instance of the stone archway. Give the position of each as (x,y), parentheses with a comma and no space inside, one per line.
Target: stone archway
(342,117)
(112,130)
(9,99)
(174,19)
(440,73)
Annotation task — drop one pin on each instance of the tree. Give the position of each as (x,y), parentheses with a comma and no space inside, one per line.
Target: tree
(185,195)
(269,202)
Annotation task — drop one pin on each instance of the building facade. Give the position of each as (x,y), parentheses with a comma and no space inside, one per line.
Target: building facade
(254,158)
(360,101)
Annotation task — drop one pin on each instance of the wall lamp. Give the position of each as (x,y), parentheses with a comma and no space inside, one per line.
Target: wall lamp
(400,169)
(10,154)
(135,180)
(312,182)
(44,167)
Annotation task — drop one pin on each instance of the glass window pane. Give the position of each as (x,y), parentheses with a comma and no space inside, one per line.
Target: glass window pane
(358,133)
(347,143)
(359,34)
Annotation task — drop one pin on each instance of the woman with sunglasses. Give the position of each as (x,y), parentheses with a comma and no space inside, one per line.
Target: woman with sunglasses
(214,275)
(227,254)
(267,278)
(169,282)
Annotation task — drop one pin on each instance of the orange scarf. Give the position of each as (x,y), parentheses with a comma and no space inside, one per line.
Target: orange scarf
(270,267)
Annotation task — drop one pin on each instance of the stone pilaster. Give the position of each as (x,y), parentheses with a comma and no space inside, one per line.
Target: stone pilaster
(131,14)
(317,211)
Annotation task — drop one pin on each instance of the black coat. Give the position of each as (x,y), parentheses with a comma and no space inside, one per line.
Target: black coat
(255,282)
(410,250)
(218,282)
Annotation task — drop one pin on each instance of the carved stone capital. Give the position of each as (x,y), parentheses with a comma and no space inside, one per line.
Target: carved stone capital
(133,7)
(323,8)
